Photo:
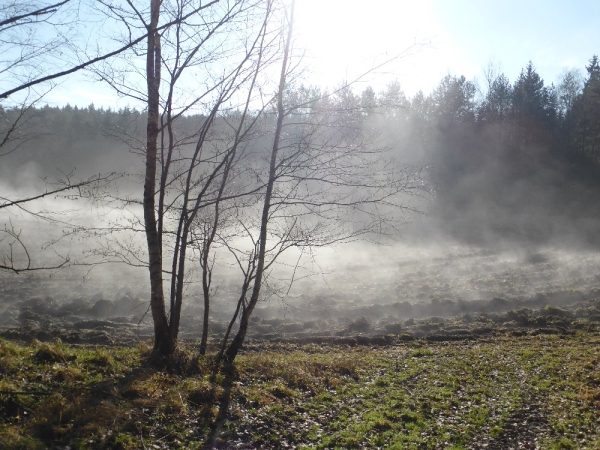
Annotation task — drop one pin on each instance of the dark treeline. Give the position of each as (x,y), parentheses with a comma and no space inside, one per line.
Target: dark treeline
(88,140)
(508,161)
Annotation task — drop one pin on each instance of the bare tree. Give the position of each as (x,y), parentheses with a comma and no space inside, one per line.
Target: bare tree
(315,183)
(325,181)
(39,44)
(34,36)
(187,172)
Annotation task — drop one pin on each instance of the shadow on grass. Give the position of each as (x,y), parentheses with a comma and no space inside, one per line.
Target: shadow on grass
(230,374)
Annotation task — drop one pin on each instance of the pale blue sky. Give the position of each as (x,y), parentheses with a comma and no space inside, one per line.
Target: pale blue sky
(341,39)
(555,35)
(461,37)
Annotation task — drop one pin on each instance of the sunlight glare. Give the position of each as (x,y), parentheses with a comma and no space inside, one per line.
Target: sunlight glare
(342,40)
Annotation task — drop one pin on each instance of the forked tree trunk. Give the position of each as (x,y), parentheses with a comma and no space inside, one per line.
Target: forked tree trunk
(163,342)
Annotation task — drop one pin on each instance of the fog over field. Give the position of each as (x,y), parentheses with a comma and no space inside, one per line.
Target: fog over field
(498,230)
(334,209)
(421,272)
(314,224)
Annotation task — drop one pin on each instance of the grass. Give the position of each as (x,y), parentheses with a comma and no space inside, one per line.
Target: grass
(543,389)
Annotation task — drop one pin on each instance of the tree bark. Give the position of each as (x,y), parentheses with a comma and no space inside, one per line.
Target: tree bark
(163,342)
(206,280)
(238,340)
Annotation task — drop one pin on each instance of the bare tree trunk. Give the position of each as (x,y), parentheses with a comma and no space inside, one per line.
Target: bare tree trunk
(163,342)
(204,261)
(239,338)
(240,303)
(206,294)
(207,272)
(176,305)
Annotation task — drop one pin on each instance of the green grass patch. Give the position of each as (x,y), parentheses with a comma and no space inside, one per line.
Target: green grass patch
(411,395)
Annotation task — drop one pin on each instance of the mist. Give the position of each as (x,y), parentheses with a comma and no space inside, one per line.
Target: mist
(502,215)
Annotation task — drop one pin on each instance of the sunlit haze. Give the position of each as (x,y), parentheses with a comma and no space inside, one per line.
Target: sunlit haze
(376,225)
(343,39)
(419,42)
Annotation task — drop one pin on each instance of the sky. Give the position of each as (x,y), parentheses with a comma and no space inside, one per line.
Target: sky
(423,40)
(439,37)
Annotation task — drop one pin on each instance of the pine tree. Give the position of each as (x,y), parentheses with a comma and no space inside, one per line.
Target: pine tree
(498,101)
(531,99)
(533,109)
(454,101)
(586,113)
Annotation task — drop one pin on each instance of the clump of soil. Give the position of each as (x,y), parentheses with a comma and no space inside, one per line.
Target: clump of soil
(496,317)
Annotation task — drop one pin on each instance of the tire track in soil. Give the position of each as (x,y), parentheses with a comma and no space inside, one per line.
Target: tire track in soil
(524,430)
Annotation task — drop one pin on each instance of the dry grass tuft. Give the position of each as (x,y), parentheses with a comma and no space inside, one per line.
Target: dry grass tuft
(52,353)
(69,374)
